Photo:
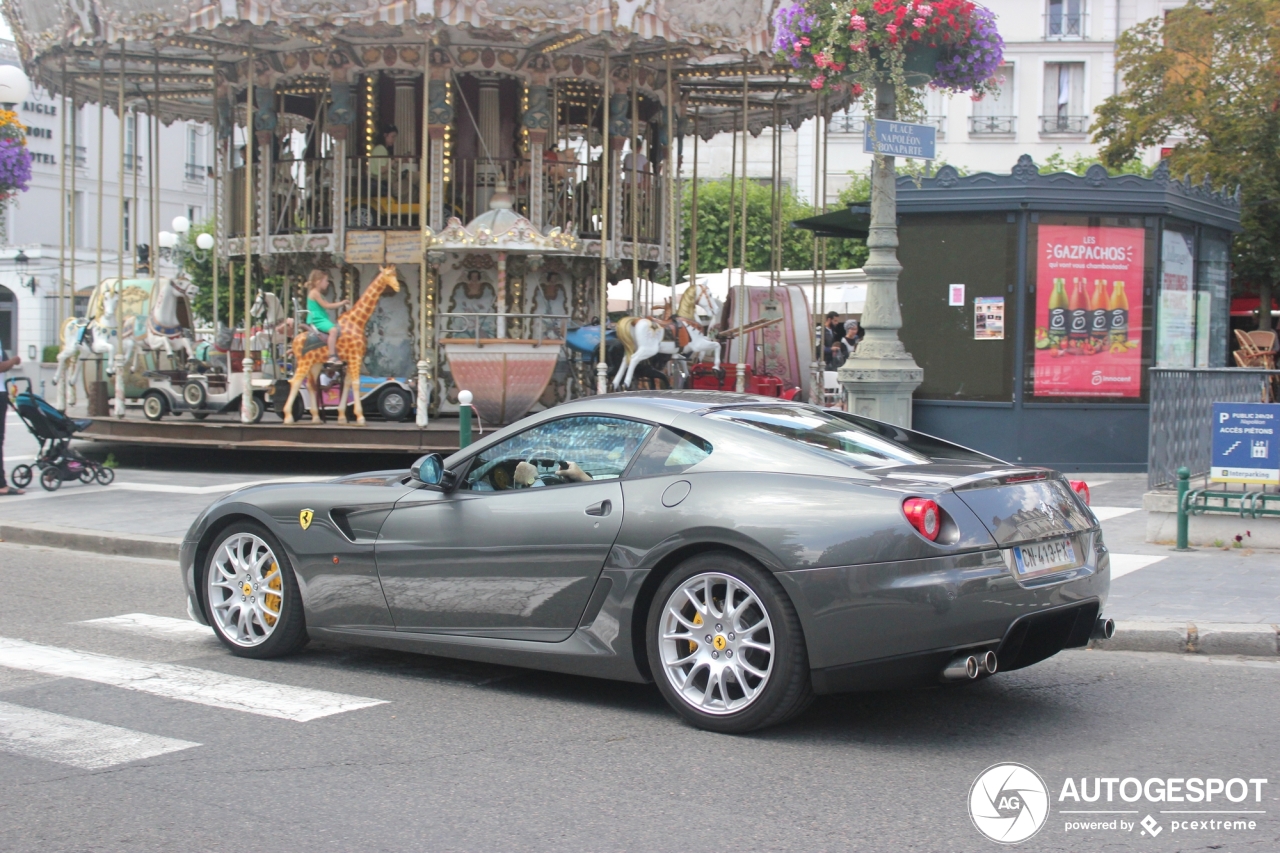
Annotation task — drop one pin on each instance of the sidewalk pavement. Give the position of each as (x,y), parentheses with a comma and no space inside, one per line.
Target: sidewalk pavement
(1207,601)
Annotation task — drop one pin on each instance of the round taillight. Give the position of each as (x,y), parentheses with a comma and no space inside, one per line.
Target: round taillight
(924,516)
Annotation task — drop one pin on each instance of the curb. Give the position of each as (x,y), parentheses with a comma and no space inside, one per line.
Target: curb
(1203,638)
(95,541)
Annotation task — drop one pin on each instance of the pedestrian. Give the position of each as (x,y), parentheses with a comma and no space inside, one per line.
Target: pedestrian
(5,364)
(832,333)
(849,343)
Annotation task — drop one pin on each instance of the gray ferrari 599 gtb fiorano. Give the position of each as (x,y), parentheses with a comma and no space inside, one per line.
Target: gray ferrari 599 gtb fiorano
(742,553)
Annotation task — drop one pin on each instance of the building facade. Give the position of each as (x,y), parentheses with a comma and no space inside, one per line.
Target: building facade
(1059,66)
(31,309)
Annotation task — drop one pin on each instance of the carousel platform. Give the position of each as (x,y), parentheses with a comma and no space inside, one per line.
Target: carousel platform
(330,437)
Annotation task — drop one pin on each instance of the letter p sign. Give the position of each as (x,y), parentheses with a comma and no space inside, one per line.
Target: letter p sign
(1223,417)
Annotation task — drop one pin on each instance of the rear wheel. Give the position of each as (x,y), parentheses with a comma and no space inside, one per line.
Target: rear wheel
(726,647)
(193,394)
(393,404)
(251,594)
(154,405)
(50,479)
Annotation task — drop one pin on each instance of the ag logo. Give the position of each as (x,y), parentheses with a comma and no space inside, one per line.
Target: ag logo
(304,518)
(1009,803)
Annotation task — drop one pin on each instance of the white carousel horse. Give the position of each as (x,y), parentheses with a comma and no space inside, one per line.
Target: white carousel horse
(162,330)
(81,339)
(275,321)
(643,337)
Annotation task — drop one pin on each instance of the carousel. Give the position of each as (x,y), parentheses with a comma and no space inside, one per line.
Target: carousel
(509,160)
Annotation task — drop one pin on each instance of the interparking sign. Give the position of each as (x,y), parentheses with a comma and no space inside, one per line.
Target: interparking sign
(1246,443)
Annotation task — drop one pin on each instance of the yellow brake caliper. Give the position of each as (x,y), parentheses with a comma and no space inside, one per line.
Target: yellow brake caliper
(697,620)
(272,602)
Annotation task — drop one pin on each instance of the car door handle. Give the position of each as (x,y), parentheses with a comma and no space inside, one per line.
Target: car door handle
(602,509)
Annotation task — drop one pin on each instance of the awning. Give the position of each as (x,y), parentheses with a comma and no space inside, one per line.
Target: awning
(853,221)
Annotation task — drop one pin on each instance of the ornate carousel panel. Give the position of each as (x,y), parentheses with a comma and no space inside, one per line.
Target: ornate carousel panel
(783,349)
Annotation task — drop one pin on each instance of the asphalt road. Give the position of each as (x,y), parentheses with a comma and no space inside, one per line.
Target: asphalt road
(140,735)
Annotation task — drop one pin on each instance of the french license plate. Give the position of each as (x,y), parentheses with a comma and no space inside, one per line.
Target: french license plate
(1044,556)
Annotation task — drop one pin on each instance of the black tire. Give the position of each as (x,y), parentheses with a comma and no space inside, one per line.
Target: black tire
(105,476)
(50,479)
(86,475)
(257,408)
(394,404)
(154,405)
(290,634)
(199,415)
(788,690)
(20,476)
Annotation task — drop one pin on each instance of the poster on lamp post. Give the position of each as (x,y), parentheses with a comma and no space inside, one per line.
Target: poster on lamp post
(1088,321)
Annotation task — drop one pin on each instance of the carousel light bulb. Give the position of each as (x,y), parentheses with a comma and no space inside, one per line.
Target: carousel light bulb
(464,398)
(204,241)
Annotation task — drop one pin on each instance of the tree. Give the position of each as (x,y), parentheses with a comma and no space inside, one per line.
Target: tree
(199,269)
(1207,74)
(1078,164)
(713,230)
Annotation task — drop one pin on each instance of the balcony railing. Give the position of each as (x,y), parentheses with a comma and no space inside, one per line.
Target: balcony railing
(992,125)
(196,172)
(1064,124)
(1065,25)
(845,123)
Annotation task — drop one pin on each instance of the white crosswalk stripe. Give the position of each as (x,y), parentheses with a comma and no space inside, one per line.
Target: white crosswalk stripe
(80,743)
(185,683)
(162,627)
(1123,564)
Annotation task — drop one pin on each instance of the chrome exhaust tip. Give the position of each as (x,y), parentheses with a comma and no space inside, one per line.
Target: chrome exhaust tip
(1104,629)
(989,663)
(964,667)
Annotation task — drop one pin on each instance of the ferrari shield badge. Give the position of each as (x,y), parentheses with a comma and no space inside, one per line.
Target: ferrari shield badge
(304,518)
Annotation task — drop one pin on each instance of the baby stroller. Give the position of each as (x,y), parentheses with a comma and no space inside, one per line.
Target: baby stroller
(56,461)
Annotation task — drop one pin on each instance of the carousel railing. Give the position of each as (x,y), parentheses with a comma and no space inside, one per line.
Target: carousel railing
(302,196)
(383,192)
(484,329)
(573,193)
(470,184)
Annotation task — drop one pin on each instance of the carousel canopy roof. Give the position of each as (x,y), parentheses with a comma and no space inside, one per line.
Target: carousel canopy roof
(182,47)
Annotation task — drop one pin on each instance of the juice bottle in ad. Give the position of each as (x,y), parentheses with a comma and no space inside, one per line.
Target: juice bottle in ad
(1099,318)
(1118,307)
(1078,317)
(1058,313)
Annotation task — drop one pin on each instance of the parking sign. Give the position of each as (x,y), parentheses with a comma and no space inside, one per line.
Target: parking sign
(1246,443)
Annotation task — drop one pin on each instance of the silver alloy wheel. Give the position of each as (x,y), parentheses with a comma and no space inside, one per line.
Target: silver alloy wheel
(716,644)
(245,589)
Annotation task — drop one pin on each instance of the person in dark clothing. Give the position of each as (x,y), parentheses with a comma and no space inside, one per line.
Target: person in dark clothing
(849,343)
(832,333)
(5,365)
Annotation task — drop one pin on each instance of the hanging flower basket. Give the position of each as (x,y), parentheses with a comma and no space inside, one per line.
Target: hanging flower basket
(15,159)
(948,44)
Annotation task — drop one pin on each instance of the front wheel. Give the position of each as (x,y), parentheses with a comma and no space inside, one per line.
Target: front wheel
(393,404)
(726,647)
(251,596)
(154,405)
(50,479)
(105,476)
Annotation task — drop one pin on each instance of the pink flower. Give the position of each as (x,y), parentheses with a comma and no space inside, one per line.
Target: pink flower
(859,23)
(817,82)
(857,46)
(891,29)
(924,10)
(804,40)
(918,23)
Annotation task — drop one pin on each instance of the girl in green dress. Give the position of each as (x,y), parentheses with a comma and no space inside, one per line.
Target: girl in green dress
(317,313)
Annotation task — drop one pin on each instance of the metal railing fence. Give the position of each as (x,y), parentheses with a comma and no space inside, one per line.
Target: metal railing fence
(1181,415)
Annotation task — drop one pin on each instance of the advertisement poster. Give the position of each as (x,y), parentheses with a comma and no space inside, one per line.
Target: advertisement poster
(1176,317)
(988,318)
(1088,324)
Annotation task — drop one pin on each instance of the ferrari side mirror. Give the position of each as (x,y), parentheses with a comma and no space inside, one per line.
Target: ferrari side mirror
(430,471)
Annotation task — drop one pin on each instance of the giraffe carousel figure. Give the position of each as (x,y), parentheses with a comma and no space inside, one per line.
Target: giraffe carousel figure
(311,354)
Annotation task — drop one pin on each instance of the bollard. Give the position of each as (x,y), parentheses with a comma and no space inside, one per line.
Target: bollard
(464,419)
(1184,483)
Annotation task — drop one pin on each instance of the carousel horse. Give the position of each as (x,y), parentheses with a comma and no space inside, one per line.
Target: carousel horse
(269,311)
(162,330)
(644,337)
(81,339)
(311,351)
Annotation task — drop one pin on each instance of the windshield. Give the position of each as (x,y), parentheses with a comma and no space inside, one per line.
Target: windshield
(825,433)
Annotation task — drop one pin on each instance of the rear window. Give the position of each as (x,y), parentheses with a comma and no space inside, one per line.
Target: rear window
(825,433)
(669,451)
